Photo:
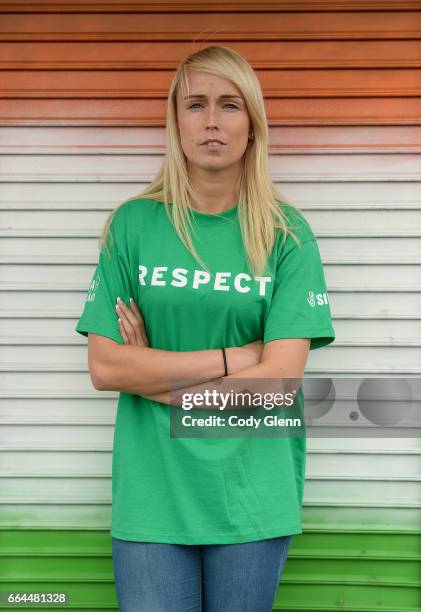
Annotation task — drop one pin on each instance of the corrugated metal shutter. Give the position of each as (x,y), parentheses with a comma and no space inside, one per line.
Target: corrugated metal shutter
(82,111)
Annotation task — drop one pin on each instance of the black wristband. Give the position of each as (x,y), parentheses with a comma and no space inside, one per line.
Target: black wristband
(225,362)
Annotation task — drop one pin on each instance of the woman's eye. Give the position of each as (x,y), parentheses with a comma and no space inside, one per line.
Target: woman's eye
(228,104)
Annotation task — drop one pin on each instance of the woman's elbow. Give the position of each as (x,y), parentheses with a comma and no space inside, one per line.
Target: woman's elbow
(99,371)
(98,377)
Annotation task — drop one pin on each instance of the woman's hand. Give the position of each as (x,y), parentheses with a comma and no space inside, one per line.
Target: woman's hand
(132,329)
(132,326)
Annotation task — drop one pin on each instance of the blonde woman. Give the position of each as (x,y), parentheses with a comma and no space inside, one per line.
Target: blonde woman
(205,279)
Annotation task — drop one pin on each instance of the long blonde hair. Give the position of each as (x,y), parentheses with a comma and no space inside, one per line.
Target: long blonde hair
(258,200)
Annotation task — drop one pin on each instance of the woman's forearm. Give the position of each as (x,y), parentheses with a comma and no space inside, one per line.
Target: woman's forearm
(143,370)
(271,376)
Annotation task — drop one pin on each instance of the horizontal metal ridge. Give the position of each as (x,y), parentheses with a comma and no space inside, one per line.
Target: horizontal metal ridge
(70,367)
(88,233)
(4,447)
(391,260)
(66,314)
(58,499)
(107,207)
(57,287)
(324,478)
(76,340)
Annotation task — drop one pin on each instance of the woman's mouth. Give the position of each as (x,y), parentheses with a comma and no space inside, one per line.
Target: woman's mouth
(213,145)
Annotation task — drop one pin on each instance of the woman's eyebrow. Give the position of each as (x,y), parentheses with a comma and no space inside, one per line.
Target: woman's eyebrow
(203,97)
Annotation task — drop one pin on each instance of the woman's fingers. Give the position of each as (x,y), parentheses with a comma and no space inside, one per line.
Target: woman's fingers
(136,310)
(130,322)
(123,331)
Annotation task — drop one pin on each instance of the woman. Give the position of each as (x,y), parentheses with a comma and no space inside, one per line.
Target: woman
(213,259)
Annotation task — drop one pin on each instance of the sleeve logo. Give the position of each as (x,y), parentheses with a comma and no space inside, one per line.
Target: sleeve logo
(317,299)
(92,289)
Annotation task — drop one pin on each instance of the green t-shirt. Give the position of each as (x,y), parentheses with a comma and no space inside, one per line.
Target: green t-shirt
(204,490)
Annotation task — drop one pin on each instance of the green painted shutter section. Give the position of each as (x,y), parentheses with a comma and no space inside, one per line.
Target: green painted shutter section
(353,572)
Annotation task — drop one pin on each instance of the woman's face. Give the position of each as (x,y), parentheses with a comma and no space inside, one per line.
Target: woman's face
(217,110)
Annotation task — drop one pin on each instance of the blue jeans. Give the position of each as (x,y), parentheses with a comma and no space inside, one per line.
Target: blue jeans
(154,577)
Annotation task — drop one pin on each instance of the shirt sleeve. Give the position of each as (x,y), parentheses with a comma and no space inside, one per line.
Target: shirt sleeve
(111,279)
(300,305)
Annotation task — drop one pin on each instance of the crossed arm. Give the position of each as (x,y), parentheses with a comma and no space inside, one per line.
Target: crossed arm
(284,358)
(136,368)
(153,373)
